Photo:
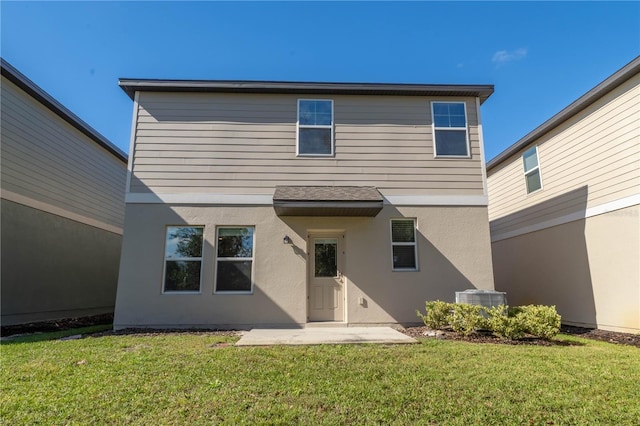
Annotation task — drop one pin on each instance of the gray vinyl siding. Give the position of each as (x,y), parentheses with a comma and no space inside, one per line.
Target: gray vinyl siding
(589,160)
(47,160)
(243,143)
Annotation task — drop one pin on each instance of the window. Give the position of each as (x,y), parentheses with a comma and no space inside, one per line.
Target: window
(403,245)
(234,261)
(532,170)
(315,127)
(450,129)
(183,258)
(326,257)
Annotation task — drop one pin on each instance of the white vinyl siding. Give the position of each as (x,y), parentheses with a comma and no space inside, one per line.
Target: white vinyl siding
(246,144)
(47,160)
(590,160)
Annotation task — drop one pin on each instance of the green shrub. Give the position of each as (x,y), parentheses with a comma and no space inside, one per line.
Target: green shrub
(506,323)
(438,314)
(513,323)
(467,319)
(540,321)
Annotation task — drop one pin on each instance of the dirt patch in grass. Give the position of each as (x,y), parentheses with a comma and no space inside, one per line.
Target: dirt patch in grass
(487,337)
(147,332)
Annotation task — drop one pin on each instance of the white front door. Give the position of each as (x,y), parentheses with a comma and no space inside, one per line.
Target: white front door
(326,281)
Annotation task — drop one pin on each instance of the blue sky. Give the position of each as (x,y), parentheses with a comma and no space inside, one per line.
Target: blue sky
(540,56)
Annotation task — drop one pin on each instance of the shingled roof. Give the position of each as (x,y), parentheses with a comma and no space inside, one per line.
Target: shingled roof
(327,201)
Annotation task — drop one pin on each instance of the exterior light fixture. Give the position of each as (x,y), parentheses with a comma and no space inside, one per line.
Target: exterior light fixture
(287,240)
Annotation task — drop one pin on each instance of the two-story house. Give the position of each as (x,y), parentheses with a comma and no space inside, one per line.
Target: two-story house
(62,202)
(253,203)
(564,205)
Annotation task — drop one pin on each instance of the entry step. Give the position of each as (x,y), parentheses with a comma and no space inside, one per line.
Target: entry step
(326,324)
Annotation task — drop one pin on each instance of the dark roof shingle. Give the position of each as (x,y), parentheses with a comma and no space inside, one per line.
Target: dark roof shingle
(363,201)
(327,193)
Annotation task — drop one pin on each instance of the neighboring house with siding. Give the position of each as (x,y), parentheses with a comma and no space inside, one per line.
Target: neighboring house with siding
(287,204)
(62,190)
(564,206)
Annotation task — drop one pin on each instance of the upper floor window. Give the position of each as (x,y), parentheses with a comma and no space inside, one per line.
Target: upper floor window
(315,127)
(183,259)
(450,129)
(532,169)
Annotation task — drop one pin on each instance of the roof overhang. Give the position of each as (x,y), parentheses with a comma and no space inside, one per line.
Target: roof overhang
(615,80)
(37,93)
(131,86)
(363,201)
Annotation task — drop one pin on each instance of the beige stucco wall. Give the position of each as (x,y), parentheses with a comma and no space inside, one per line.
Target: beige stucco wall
(588,268)
(54,267)
(453,250)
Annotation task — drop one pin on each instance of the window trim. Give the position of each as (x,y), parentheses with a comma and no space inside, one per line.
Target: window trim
(164,262)
(236,259)
(528,172)
(456,129)
(414,244)
(315,126)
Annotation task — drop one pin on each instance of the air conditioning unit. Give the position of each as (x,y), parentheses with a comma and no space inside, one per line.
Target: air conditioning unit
(486,298)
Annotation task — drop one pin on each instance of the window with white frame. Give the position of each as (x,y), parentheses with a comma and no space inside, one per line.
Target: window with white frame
(315,127)
(404,248)
(183,259)
(532,170)
(234,260)
(450,129)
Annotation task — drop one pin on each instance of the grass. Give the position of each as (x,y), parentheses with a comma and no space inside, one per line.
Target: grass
(192,379)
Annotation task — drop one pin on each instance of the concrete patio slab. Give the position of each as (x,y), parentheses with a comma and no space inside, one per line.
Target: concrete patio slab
(323,336)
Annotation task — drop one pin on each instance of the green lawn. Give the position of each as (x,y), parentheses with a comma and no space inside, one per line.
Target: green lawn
(189,379)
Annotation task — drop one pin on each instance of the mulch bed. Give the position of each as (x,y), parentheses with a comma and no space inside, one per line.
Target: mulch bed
(603,335)
(478,337)
(56,325)
(487,337)
(422,332)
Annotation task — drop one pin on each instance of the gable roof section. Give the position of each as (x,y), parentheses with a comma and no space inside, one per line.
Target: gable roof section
(130,86)
(33,90)
(615,80)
